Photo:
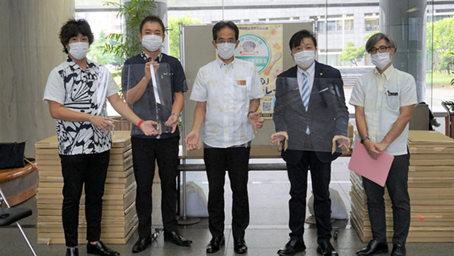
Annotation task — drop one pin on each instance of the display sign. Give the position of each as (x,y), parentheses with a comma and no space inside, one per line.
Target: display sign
(262,45)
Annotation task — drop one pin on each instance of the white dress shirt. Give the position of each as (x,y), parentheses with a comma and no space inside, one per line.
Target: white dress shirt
(310,72)
(227,90)
(382,96)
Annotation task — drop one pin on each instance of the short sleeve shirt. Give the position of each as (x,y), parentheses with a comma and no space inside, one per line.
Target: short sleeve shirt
(78,90)
(145,107)
(382,96)
(227,90)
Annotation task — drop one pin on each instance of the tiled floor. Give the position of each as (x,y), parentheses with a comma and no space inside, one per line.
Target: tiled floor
(267,232)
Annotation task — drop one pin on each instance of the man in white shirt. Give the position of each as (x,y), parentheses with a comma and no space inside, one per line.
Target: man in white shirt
(384,99)
(228,92)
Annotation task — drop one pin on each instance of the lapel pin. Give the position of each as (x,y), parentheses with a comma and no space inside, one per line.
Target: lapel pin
(321,74)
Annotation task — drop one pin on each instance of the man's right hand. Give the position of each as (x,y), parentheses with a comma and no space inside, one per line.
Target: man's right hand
(192,141)
(278,137)
(147,69)
(373,149)
(102,122)
(148,129)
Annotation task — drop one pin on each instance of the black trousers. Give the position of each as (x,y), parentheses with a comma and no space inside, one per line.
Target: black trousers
(145,153)
(321,177)
(90,169)
(398,192)
(235,160)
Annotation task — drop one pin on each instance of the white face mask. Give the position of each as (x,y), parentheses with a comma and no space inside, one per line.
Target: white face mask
(226,50)
(381,60)
(79,50)
(304,59)
(152,42)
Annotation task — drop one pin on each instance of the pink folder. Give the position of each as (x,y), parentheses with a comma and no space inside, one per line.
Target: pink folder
(375,170)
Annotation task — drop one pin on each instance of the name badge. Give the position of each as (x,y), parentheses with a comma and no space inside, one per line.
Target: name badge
(393,93)
(241,82)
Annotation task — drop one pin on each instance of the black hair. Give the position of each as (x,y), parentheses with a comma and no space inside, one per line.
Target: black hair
(225,24)
(296,39)
(152,18)
(73,28)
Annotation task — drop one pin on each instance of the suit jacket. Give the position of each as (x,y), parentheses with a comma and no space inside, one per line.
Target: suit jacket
(327,114)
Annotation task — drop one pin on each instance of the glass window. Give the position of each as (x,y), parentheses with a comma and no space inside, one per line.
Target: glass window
(372,24)
(336,27)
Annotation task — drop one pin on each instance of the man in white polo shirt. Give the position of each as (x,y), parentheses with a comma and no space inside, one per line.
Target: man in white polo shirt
(384,99)
(228,92)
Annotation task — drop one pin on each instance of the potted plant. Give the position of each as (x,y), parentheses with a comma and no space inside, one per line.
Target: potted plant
(126,45)
(133,13)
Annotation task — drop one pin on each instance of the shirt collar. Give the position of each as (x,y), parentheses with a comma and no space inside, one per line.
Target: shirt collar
(69,60)
(147,58)
(386,74)
(221,64)
(310,71)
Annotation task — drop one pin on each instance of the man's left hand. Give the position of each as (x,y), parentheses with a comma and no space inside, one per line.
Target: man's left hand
(256,120)
(172,122)
(382,146)
(342,141)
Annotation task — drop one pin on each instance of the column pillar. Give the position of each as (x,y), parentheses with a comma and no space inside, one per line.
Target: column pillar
(405,21)
(29,50)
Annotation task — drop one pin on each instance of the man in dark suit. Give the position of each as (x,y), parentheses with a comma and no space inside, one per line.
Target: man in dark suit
(310,113)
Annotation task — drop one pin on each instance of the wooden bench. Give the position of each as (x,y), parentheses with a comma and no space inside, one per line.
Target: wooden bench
(19,184)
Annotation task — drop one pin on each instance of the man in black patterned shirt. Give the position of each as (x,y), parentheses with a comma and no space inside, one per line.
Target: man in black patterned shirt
(76,92)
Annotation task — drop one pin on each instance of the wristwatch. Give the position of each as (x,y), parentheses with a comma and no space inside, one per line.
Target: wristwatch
(364,138)
(175,114)
(250,112)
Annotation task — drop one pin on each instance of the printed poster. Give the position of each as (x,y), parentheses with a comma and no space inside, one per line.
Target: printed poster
(262,45)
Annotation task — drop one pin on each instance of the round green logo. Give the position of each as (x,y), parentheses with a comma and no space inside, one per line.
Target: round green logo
(253,48)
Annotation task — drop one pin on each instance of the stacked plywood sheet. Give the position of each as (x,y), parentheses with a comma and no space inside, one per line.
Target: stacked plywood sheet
(431,189)
(119,219)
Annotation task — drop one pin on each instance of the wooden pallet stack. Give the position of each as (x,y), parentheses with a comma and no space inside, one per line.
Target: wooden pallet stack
(119,219)
(431,189)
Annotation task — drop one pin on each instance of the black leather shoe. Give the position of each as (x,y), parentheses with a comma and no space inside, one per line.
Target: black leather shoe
(141,244)
(72,251)
(239,245)
(100,249)
(291,247)
(398,250)
(176,238)
(215,244)
(326,248)
(374,247)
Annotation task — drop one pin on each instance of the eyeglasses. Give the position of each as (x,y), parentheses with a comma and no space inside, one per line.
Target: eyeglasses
(380,49)
(221,41)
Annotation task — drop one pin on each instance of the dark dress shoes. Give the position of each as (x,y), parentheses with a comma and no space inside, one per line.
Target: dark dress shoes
(100,249)
(176,238)
(215,244)
(141,244)
(398,250)
(326,248)
(72,251)
(374,247)
(239,245)
(291,247)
